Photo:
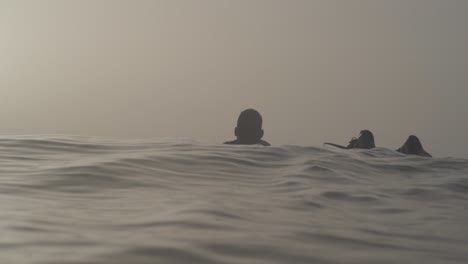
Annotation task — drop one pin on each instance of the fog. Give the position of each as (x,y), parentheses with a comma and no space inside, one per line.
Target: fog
(317,70)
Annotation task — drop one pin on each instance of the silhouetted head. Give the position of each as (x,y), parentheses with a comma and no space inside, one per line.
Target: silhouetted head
(365,140)
(249,126)
(413,146)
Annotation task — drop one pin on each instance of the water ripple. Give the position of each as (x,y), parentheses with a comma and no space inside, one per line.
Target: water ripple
(70,200)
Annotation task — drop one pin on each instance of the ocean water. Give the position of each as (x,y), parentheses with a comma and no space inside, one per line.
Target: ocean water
(88,200)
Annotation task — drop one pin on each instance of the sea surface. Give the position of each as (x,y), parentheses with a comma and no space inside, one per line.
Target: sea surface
(73,200)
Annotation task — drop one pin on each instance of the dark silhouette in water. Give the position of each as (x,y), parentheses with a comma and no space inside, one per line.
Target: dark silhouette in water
(249,129)
(364,141)
(413,146)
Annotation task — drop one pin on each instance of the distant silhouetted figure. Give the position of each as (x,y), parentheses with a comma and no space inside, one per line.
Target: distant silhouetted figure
(413,146)
(364,141)
(249,129)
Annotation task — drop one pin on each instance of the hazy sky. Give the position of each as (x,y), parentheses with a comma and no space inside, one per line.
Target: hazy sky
(317,70)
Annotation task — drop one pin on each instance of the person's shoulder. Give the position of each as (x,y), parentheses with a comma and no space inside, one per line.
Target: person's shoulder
(237,142)
(233,142)
(426,154)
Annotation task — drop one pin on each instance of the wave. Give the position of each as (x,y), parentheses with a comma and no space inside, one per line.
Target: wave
(69,199)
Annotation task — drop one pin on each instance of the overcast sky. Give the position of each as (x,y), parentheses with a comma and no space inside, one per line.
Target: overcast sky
(316,70)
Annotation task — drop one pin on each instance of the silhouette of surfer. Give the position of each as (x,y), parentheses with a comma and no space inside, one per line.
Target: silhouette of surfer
(413,146)
(364,141)
(249,129)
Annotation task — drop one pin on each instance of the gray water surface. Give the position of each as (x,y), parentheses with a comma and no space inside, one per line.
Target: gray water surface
(86,200)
